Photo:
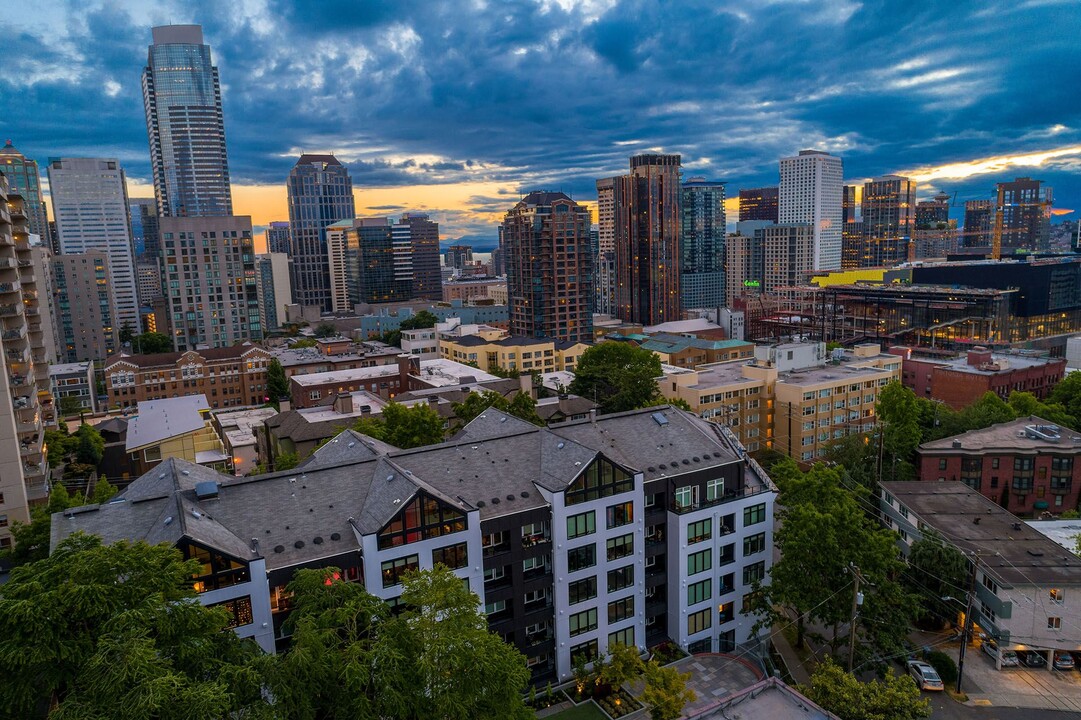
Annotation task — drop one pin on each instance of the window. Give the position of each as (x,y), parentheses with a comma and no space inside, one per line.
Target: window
(621,637)
(586,652)
(754,544)
(535,563)
(493,574)
(699,621)
(994,463)
(754,573)
(581,558)
(699,561)
(453,556)
(583,622)
(600,479)
(714,489)
(3,521)
(942,463)
(394,569)
(620,547)
(581,524)
(619,515)
(754,514)
(699,531)
(1057,595)
(621,609)
(422,519)
(216,571)
(582,590)
(686,497)
(239,611)
(699,591)
(1054,623)
(620,578)
(497,606)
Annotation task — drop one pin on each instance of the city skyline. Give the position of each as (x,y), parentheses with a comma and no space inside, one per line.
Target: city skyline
(427,93)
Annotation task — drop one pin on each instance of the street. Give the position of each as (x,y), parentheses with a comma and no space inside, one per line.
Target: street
(943,708)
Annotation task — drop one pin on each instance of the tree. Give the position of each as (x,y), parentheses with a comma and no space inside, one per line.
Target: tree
(857,457)
(325,330)
(115,631)
(150,343)
(522,405)
(419,320)
(1067,393)
(30,541)
(127,332)
(892,698)
(1024,404)
(624,663)
(899,431)
(104,491)
(59,444)
(403,427)
(286,461)
(666,691)
(90,447)
(936,571)
(302,343)
(277,383)
(70,405)
(618,376)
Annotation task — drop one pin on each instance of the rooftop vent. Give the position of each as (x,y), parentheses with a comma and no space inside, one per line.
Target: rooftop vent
(957,443)
(1050,433)
(335,536)
(659,418)
(206,490)
(560,445)
(1035,553)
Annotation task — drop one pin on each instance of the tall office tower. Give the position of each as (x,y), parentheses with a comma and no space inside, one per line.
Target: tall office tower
(888,207)
(764,256)
(743,265)
(499,265)
(277,237)
(647,209)
(24,178)
(144,228)
(979,222)
(25,385)
(367,263)
(549,268)
(182,99)
(272,281)
(851,228)
(810,192)
(758,204)
(339,279)
(208,268)
(424,241)
(148,281)
(90,206)
(320,193)
(604,269)
(606,218)
(458,256)
(934,235)
(84,306)
(703,229)
(1023,216)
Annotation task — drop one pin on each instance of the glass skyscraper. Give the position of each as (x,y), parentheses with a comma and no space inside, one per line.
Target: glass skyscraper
(25,180)
(703,231)
(182,98)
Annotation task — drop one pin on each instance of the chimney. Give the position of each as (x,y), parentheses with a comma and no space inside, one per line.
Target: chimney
(365,409)
(979,355)
(284,404)
(525,383)
(593,415)
(343,404)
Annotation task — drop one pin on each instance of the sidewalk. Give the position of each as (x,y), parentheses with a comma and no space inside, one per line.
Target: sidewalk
(791,659)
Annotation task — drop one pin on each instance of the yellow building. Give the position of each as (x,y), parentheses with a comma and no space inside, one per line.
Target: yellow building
(180,427)
(512,352)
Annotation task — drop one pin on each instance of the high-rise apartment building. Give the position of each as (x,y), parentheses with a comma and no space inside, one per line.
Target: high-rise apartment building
(277,237)
(144,228)
(25,386)
(764,256)
(647,209)
(606,218)
(84,307)
(148,281)
(549,268)
(320,193)
(1023,216)
(811,192)
(208,267)
(604,266)
(423,235)
(272,281)
(90,206)
(851,228)
(25,179)
(979,221)
(758,204)
(458,256)
(703,229)
(372,260)
(185,126)
(934,236)
(888,207)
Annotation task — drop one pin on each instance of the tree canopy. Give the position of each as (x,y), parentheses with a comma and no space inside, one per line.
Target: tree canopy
(150,343)
(895,697)
(277,383)
(403,427)
(416,321)
(522,405)
(936,570)
(900,429)
(618,376)
(666,691)
(325,330)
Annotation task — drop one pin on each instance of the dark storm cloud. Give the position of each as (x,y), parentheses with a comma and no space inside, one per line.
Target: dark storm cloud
(531,95)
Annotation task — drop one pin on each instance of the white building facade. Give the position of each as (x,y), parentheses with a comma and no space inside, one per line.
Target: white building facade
(810,192)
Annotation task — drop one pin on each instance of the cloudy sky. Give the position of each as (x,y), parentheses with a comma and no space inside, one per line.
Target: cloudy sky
(456,107)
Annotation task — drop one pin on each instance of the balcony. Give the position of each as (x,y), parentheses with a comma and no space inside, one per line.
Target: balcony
(535,539)
(7,263)
(9,309)
(31,426)
(5,216)
(540,636)
(9,287)
(727,497)
(18,355)
(16,381)
(544,603)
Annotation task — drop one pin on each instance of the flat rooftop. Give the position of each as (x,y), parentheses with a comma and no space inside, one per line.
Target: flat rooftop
(69,368)
(1014,435)
(831,373)
(348,375)
(1009,549)
(722,374)
(1007,363)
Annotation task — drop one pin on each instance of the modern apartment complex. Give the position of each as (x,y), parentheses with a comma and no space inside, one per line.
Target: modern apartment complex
(144,229)
(758,204)
(635,528)
(274,289)
(604,265)
(84,308)
(762,257)
(979,222)
(889,221)
(1023,216)
(24,179)
(702,242)
(514,352)
(810,192)
(373,260)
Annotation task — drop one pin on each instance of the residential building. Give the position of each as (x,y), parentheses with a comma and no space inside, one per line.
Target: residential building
(174,428)
(935,235)
(185,125)
(889,219)
(277,237)
(458,256)
(811,193)
(687,351)
(237,430)
(320,193)
(301,431)
(84,307)
(424,243)
(148,282)
(513,352)
(728,394)
(374,261)
(961,381)
(209,275)
(549,268)
(703,229)
(1023,216)
(774,256)
(851,229)
(979,224)
(422,343)
(73,388)
(1027,466)
(758,204)
(144,229)
(474,288)
(228,377)
(90,206)
(273,289)
(327,356)
(647,208)
(604,265)
(594,548)
(25,180)
(1027,590)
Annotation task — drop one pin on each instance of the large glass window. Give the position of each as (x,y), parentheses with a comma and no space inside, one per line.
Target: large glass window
(586,651)
(699,531)
(581,524)
(620,578)
(755,572)
(686,497)
(620,547)
(600,479)
(714,489)
(699,621)
(619,515)
(754,514)
(582,590)
(621,637)
(699,561)
(453,556)
(216,570)
(621,609)
(581,558)
(754,544)
(239,611)
(699,591)
(423,518)
(393,570)
(583,622)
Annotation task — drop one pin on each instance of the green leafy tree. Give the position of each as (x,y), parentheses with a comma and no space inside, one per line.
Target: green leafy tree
(91,445)
(624,664)
(59,444)
(70,405)
(30,541)
(150,343)
(666,691)
(127,332)
(325,330)
(114,631)
(286,461)
(936,570)
(104,491)
(419,321)
(892,698)
(277,383)
(618,376)
(404,427)
(900,431)
(522,405)
(1024,404)
(302,343)
(989,410)
(857,456)
(1067,393)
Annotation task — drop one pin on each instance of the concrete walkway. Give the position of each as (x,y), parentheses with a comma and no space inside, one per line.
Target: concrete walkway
(791,659)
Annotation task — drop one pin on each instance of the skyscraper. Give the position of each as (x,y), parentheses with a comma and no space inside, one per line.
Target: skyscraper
(934,234)
(320,193)
(84,306)
(458,256)
(144,228)
(604,267)
(549,268)
(810,192)
(851,229)
(979,220)
(647,212)
(272,281)
(758,204)
(764,256)
(1023,216)
(24,179)
(90,206)
(184,123)
(277,237)
(703,231)
(424,243)
(888,206)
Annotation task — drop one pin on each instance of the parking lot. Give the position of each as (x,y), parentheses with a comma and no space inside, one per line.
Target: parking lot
(1018,686)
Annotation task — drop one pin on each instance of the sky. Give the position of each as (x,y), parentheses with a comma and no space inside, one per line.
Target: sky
(456,108)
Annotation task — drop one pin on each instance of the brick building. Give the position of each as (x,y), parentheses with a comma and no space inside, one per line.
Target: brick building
(961,381)
(229,377)
(1027,465)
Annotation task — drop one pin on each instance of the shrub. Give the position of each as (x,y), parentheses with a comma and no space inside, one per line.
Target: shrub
(944,665)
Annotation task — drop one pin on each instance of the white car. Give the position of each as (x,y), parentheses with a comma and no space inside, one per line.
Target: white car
(1009,657)
(926,677)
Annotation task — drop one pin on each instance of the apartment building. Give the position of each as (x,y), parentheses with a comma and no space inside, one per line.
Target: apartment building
(73,388)
(180,428)
(689,351)
(229,377)
(525,354)
(638,528)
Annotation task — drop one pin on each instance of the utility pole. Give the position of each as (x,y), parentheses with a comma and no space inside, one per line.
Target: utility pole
(857,602)
(966,631)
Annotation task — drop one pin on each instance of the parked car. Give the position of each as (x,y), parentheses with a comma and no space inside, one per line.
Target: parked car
(1032,658)
(926,677)
(1009,657)
(1063,660)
